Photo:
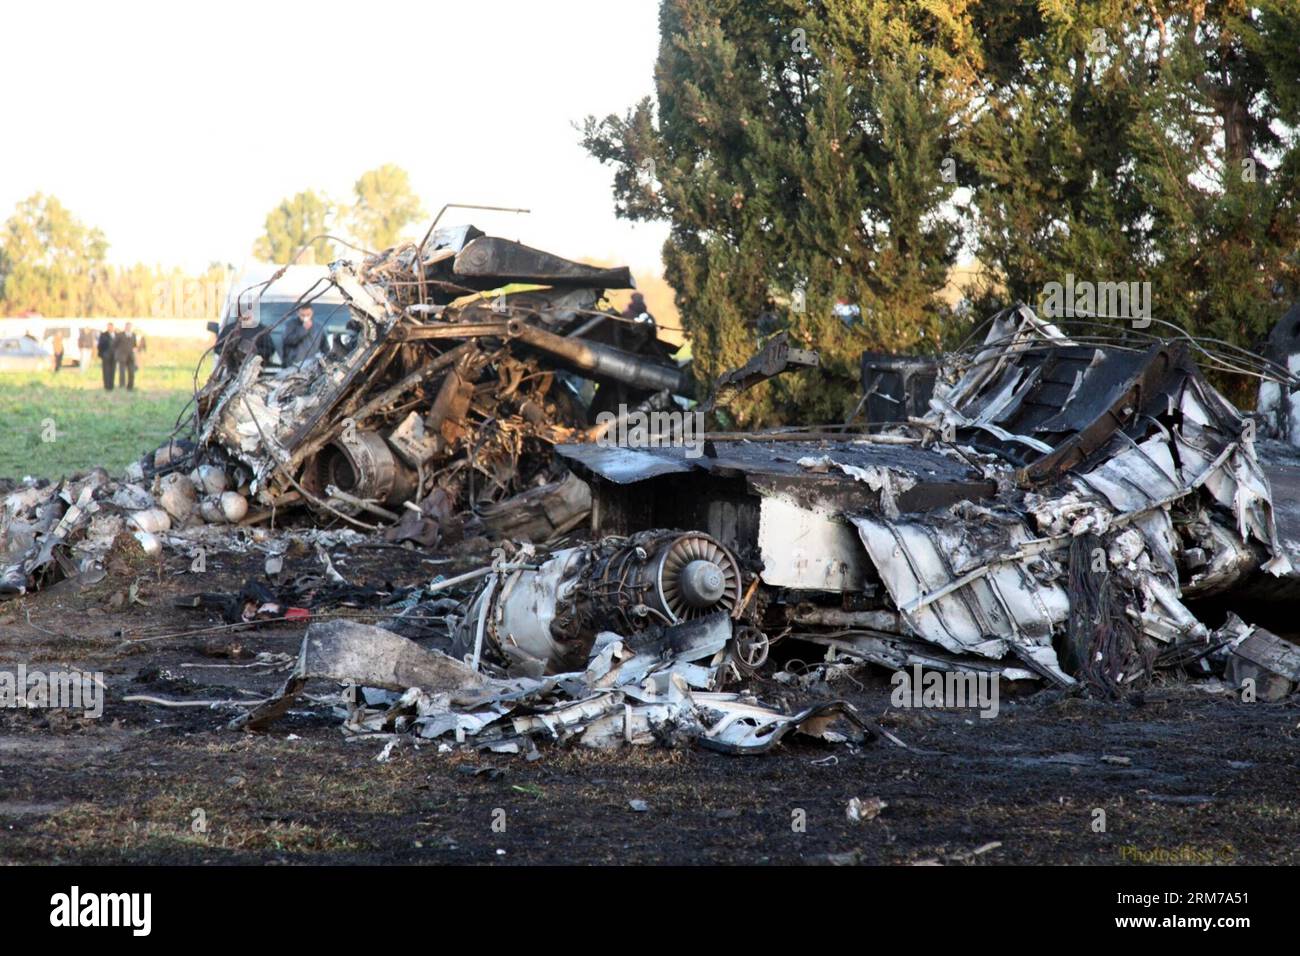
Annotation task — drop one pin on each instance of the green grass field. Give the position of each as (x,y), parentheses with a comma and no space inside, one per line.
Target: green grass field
(90,426)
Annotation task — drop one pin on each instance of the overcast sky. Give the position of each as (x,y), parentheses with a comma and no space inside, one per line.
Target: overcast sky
(175,127)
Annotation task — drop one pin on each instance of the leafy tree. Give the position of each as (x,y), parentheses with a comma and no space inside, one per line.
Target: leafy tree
(1226,206)
(1143,142)
(385,206)
(798,151)
(291,224)
(52,263)
(1048,149)
(849,148)
(49,260)
(124,291)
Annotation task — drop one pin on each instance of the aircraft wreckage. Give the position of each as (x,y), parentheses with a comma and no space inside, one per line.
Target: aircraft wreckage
(1071,510)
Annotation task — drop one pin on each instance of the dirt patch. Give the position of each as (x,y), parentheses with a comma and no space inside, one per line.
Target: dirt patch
(1178,773)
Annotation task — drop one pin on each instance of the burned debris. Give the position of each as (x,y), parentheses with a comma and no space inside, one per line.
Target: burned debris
(776,356)
(645,692)
(1042,507)
(461,363)
(1067,513)
(1052,517)
(551,615)
(469,357)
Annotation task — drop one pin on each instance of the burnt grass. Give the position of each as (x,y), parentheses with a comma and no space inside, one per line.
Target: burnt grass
(1181,774)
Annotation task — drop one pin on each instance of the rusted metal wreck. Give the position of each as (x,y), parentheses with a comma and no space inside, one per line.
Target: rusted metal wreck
(1069,510)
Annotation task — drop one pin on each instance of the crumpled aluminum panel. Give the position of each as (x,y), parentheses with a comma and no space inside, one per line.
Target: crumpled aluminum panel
(966,586)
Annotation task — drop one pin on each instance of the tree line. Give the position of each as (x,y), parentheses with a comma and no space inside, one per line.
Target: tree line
(855,151)
(54,264)
(383,205)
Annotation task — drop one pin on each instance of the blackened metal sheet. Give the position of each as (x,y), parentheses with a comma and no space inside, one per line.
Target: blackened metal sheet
(1280,463)
(452,237)
(777,459)
(624,466)
(489,261)
(1075,399)
(897,387)
(1119,392)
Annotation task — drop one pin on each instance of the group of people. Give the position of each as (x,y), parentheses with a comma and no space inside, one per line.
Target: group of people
(117,352)
(117,355)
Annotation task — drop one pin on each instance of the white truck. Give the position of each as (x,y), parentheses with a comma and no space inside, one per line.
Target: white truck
(274,305)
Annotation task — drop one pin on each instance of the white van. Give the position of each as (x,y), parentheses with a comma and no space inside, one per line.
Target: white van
(275,304)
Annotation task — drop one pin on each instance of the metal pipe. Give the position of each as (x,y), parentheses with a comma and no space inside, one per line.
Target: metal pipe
(600,360)
(447,330)
(587,326)
(886,621)
(335,492)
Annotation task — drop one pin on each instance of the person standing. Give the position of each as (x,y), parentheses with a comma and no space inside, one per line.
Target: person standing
(299,344)
(636,310)
(124,356)
(58,349)
(105,349)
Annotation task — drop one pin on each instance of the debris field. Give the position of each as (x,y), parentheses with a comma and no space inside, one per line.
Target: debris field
(422,536)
